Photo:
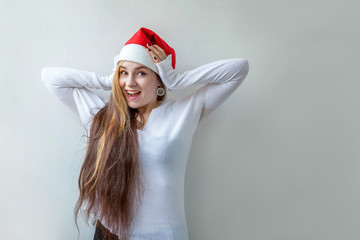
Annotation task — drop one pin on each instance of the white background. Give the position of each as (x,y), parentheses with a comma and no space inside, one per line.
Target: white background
(278,160)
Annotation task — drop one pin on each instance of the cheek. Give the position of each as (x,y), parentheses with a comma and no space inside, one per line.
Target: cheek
(122,86)
(121,83)
(151,89)
(153,84)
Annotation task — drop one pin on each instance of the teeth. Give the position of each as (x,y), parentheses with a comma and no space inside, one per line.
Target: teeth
(132,93)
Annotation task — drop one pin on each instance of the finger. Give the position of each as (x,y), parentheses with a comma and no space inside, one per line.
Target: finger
(153,55)
(156,52)
(161,51)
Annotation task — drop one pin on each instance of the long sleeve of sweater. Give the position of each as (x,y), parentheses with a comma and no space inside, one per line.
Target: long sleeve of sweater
(220,80)
(72,87)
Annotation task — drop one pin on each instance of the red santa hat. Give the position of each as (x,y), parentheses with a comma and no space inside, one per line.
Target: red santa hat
(135,49)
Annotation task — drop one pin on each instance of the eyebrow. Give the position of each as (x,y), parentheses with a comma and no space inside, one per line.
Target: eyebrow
(135,68)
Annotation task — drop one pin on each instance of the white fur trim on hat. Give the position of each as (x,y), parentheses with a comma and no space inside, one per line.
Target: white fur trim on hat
(136,53)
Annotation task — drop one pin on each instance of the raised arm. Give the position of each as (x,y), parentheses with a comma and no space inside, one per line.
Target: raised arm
(71,87)
(220,80)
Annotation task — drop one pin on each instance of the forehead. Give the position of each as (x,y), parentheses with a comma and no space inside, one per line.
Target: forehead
(132,65)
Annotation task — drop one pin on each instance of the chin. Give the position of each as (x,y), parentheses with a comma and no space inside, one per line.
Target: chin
(133,105)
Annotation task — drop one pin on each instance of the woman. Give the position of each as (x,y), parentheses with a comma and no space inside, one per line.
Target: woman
(132,178)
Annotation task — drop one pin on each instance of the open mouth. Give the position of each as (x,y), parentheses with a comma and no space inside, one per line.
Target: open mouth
(131,95)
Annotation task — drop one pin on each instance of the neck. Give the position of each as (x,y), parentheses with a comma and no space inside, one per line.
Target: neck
(146,110)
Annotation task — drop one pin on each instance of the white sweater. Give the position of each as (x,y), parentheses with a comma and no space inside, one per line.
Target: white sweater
(166,139)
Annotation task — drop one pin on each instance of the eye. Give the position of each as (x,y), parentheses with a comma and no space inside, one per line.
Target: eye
(122,72)
(142,73)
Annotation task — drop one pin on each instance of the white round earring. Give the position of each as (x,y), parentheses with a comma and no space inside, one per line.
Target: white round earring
(160,91)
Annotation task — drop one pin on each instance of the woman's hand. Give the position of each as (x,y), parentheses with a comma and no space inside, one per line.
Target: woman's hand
(156,52)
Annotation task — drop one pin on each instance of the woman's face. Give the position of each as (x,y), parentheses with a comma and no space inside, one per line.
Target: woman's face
(139,84)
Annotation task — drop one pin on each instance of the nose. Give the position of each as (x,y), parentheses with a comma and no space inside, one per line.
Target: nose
(130,81)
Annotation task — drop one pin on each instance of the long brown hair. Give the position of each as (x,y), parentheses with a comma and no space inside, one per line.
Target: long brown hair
(110,177)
